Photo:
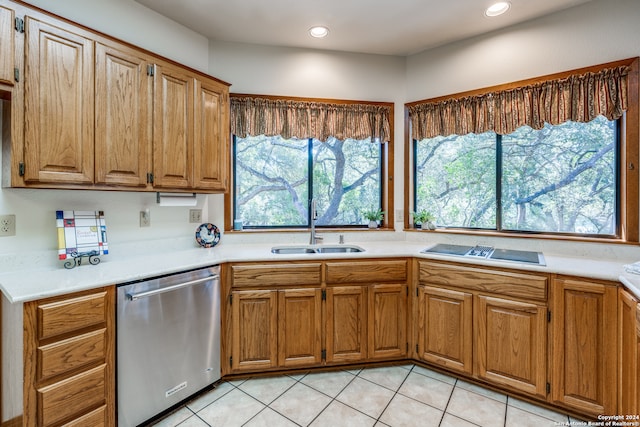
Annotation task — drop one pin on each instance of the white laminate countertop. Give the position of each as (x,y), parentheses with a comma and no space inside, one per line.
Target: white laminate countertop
(35,283)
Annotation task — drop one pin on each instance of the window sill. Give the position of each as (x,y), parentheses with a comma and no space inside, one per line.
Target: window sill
(306,230)
(524,235)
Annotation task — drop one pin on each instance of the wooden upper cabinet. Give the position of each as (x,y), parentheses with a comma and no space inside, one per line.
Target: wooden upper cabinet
(7,45)
(173,127)
(584,324)
(59,105)
(123,117)
(512,344)
(445,328)
(211,139)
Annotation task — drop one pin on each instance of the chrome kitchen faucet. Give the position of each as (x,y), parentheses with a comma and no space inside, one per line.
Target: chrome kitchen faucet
(313,240)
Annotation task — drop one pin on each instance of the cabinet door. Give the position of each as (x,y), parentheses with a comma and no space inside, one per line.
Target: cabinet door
(512,344)
(59,105)
(173,128)
(211,139)
(299,327)
(387,334)
(254,330)
(123,117)
(445,325)
(7,43)
(627,354)
(346,324)
(584,346)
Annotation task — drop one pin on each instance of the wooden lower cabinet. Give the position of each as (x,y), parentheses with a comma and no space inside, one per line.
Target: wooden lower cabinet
(628,355)
(445,328)
(255,330)
(69,371)
(346,334)
(511,338)
(387,321)
(299,327)
(276,328)
(584,324)
(489,324)
(366,322)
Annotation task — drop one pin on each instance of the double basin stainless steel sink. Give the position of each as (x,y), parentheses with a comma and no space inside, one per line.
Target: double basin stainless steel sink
(316,249)
(488,252)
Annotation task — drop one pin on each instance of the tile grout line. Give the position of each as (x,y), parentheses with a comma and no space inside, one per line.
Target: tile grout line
(296,381)
(335,398)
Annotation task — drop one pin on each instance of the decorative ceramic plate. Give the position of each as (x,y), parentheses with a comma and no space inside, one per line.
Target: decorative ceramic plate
(207,235)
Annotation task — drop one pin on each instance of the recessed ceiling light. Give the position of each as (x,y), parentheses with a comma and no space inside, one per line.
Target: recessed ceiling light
(318,32)
(497,8)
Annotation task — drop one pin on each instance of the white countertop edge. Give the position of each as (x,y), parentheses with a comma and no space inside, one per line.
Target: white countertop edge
(28,285)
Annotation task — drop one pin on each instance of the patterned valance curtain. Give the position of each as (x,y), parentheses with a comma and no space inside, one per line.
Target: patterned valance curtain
(303,119)
(578,98)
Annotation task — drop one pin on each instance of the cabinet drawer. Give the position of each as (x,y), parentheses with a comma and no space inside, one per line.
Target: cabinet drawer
(276,274)
(97,418)
(69,354)
(495,281)
(73,396)
(60,317)
(366,272)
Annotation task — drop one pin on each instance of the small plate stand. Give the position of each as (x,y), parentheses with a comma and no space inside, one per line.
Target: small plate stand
(77,259)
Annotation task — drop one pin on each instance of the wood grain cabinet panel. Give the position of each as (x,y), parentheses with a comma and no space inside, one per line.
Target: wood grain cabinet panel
(445,328)
(276,274)
(366,271)
(63,316)
(123,117)
(584,323)
(627,354)
(502,282)
(64,399)
(69,354)
(7,45)
(255,330)
(387,334)
(173,127)
(512,344)
(59,105)
(212,133)
(299,327)
(346,335)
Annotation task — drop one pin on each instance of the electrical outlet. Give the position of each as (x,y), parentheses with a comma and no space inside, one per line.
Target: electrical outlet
(399,215)
(7,225)
(195,216)
(145,218)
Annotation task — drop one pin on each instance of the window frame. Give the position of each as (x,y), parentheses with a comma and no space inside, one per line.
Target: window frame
(386,174)
(628,161)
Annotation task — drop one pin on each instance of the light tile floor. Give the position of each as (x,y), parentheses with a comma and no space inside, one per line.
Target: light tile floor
(396,396)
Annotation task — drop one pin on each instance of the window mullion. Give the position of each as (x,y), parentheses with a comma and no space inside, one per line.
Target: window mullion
(309,179)
(498,182)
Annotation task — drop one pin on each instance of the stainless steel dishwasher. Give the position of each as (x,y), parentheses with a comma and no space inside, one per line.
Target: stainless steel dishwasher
(168,341)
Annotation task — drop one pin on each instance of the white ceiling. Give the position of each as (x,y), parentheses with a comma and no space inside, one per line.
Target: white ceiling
(387,27)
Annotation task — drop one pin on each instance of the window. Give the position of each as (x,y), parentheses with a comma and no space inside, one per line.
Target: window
(275,178)
(288,151)
(554,156)
(560,179)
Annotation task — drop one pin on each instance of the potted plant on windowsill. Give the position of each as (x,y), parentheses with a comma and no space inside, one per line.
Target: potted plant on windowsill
(373,216)
(424,219)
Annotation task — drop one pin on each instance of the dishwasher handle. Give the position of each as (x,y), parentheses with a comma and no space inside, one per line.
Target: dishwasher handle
(139,295)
